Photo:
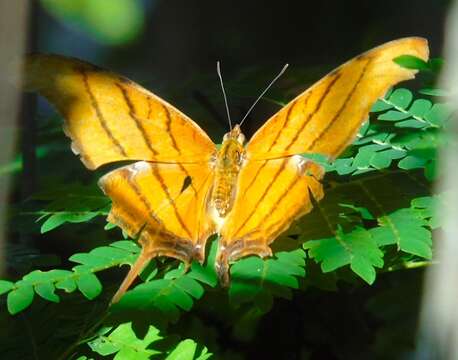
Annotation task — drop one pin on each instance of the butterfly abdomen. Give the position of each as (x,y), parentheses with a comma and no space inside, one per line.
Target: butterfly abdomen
(224,191)
(227,168)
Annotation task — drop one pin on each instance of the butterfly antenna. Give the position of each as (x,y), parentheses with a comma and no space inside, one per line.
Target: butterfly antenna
(218,70)
(262,94)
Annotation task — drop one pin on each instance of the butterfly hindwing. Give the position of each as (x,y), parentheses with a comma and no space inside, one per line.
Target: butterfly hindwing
(110,118)
(164,206)
(326,117)
(271,195)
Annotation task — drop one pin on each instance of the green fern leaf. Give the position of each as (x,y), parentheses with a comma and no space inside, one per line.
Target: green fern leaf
(71,203)
(259,280)
(356,249)
(46,291)
(427,208)
(434,92)
(82,277)
(381,106)
(439,114)
(420,107)
(68,284)
(401,97)
(19,298)
(186,350)
(177,290)
(378,145)
(405,229)
(383,159)
(5,286)
(411,123)
(88,284)
(420,114)
(57,219)
(165,296)
(123,342)
(412,162)
(411,62)
(118,253)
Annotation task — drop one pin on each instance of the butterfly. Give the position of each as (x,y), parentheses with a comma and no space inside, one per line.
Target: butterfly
(181,188)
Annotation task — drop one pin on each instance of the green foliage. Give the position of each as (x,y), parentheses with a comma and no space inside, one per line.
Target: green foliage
(258,281)
(405,229)
(124,344)
(81,277)
(175,290)
(409,229)
(433,65)
(186,350)
(403,131)
(357,249)
(72,204)
(411,62)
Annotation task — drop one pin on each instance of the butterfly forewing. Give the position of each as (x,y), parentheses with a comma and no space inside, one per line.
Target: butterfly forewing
(326,117)
(110,118)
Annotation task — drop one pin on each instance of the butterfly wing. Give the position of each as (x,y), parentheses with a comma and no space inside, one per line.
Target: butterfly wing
(275,184)
(270,195)
(164,206)
(326,117)
(110,118)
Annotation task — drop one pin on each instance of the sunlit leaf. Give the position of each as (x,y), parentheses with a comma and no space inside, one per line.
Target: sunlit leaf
(356,249)
(46,291)
(19,299)
(89,285)
(405,229)
(411,62)
(5,286)
(401,97)
(124,342)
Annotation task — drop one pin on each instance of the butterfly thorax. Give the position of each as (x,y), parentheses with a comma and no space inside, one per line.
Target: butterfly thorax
(227,167)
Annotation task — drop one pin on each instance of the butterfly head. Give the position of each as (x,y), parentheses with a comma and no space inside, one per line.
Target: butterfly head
(232,152)
(235,134)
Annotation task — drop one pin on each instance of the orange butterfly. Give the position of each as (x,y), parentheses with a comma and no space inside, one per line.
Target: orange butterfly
(182,189)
